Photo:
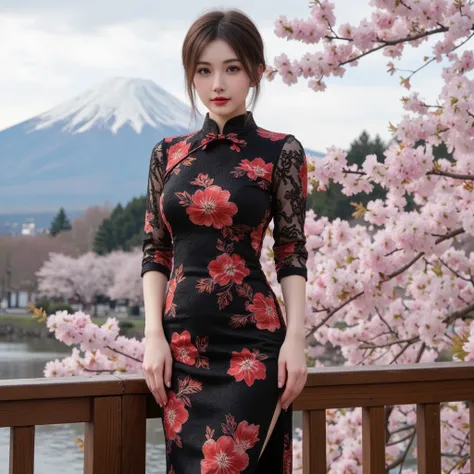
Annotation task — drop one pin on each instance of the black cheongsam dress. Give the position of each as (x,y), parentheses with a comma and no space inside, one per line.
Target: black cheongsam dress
(210,199)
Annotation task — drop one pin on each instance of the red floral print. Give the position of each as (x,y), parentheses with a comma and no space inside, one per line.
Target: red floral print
(222,457)
(256,169)
(304,177)
(176,153)
(170,305)
(256,237)
(184,137)
(186,352)
(237,143)
(211,207)
(246,436)
(175,414)
(163,258)
(170,295)
(282,252)
(273,136)
(188,161)
(163,217)
(228,268)
(225,271)
(246,366)
(183,349)
(265,312)
(228,454)
(158,255)
(202,179)
(148,217)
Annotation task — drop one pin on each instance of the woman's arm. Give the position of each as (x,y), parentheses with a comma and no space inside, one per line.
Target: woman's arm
(293,288)
(154,289)
(156,269)
(292,366)
(289,212)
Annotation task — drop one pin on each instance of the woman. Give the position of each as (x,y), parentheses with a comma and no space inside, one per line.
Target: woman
(220,358)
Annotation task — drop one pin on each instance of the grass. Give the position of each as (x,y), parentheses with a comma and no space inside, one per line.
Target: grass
(27,322)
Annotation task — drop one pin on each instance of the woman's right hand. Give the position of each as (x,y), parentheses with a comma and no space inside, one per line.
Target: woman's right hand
(157,364)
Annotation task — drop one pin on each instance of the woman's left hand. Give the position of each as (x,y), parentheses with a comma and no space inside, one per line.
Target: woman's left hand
(292,368)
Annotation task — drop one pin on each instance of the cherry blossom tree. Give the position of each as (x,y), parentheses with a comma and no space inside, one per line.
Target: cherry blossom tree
(127,282)
(83,278)
(399,289)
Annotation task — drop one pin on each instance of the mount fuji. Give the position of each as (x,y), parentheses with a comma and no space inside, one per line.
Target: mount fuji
(89,150)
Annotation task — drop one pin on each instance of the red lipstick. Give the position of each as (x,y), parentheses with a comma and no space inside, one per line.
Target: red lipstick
(220,100)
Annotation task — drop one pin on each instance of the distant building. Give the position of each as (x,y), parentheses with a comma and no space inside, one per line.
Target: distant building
(18,299)
(28,228)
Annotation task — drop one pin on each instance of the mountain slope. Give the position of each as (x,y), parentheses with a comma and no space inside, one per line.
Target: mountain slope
(93,148)
(118,102)
(89,150)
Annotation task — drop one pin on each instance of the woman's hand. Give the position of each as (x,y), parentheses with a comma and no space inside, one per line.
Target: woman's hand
(292,368)
(157,364)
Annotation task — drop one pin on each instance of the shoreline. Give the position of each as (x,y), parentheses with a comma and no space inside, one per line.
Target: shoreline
(24,327)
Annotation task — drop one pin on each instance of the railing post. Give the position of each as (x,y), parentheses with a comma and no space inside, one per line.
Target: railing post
(471,434)
(22,450)
(103,437)
(314,442)
(373,440)
(428,431)
(134,434)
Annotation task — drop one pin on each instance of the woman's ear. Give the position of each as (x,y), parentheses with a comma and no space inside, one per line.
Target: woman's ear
(260,74)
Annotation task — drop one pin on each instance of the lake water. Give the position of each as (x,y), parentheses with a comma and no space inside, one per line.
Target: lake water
(55,447)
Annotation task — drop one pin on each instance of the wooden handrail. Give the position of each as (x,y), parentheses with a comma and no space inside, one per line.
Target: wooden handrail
(115,409)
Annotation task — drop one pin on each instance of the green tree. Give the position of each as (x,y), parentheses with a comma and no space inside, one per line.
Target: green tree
(333,203)
(123,230)
(59,223)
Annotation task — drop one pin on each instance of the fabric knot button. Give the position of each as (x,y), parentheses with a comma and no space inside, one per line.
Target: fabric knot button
(220,136)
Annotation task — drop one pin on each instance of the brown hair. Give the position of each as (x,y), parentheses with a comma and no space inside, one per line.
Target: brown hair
(238,31)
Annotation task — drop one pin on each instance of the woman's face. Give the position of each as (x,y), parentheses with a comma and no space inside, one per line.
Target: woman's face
(220,74)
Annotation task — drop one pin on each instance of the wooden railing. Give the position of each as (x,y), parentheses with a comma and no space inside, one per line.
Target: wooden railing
(115,410)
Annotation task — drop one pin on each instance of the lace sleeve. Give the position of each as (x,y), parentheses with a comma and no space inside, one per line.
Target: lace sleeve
(157,243)
(289,188)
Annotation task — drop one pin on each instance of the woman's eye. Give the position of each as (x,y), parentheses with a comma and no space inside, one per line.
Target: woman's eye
(206,70)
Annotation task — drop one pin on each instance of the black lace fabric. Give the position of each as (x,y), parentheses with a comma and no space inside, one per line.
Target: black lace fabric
(157,244)
(289,210)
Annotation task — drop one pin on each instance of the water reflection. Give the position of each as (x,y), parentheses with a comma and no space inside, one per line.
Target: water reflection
(27,359)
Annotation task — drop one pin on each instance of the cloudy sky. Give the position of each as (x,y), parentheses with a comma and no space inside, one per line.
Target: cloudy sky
(53,52)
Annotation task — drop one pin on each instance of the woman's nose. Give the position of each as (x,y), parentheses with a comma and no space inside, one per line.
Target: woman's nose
(218,83)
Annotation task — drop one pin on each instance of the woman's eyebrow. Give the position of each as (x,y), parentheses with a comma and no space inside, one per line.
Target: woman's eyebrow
(224,62)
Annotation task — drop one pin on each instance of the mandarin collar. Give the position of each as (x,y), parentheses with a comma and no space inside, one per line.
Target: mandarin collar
(238,123)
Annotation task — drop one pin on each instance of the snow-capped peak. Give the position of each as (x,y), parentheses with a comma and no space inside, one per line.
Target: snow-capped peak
(118,102)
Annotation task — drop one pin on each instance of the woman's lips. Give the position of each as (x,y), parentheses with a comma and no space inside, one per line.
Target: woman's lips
(220,101)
